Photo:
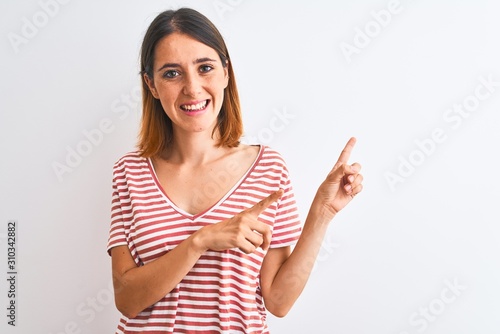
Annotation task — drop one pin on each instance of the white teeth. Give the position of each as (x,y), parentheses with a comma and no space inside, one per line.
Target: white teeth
(192,107)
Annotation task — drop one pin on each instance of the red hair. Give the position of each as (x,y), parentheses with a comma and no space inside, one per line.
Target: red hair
(156,132)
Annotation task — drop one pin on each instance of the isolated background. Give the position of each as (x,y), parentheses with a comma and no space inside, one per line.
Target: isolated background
(386,258)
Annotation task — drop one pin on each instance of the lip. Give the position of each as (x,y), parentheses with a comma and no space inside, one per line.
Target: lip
(195,112)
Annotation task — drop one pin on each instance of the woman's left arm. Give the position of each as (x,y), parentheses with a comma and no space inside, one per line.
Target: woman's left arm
(284,273)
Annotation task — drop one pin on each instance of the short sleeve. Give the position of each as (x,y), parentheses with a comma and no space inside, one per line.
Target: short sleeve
(117,235)
(287,225)
(131,181)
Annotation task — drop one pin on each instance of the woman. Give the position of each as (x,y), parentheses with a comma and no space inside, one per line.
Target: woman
(202,225)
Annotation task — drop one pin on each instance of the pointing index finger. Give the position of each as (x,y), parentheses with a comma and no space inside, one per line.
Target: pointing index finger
(258,208)
(346,152)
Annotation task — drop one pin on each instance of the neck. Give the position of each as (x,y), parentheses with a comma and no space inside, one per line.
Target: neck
(193,148)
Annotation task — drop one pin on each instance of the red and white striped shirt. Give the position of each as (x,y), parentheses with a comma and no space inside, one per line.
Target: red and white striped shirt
(221,293)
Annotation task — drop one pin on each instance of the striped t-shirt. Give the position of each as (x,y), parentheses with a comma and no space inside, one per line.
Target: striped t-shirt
(221,293)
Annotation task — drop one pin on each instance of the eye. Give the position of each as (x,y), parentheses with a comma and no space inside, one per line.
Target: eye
(206,68)
(170,74)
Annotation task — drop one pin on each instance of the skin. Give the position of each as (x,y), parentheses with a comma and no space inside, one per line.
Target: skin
(197,75)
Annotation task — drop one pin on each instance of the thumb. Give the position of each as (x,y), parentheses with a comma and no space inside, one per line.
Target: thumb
(258,208)
(340,171)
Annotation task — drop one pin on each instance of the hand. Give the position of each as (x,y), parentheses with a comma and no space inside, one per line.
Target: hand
(342,183)
(243,231)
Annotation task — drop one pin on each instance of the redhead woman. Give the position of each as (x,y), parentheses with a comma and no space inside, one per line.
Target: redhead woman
(202,225)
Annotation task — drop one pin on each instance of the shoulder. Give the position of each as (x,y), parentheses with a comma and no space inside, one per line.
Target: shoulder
(271,164)
(272,156)
(130,161)
(262,154)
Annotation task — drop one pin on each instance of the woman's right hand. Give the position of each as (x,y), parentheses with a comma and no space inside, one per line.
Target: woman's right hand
(243,231)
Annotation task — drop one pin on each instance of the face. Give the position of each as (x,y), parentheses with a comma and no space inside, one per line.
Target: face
(189,80)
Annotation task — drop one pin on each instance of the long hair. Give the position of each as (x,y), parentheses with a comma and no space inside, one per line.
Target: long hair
(156,131)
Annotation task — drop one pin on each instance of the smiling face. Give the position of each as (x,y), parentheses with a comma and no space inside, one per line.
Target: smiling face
(189,80)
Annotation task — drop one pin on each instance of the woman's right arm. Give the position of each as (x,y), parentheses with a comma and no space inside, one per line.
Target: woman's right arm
(137,288)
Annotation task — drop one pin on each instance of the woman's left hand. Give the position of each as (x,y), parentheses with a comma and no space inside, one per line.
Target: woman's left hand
(341,184)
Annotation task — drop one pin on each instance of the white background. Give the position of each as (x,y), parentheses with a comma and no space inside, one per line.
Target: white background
(388,259)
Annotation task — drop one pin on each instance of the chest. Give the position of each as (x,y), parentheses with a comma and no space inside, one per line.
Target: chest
(195,190)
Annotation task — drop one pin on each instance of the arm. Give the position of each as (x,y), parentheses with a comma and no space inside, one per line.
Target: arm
(137,288)
(284,275)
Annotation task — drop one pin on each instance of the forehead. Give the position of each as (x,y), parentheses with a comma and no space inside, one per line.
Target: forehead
(182,49)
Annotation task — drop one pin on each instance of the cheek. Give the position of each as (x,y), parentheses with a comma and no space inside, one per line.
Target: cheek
(168,93)
(167,97)
(219,85)
(219,95)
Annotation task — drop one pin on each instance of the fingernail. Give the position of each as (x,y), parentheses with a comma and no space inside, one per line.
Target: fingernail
(351,178)
(348,187)
(354,168)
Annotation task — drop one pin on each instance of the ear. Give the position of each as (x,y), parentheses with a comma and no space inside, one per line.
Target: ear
(226,74)
(151,86)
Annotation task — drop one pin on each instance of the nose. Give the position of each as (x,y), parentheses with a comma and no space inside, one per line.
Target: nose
(192,85)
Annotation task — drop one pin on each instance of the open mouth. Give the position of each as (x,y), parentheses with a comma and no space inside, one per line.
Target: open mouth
(195,107)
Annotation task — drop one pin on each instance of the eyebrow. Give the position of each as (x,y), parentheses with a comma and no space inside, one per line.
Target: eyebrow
(175,65)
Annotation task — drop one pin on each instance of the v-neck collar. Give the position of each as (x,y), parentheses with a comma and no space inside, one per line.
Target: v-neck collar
(190,216)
